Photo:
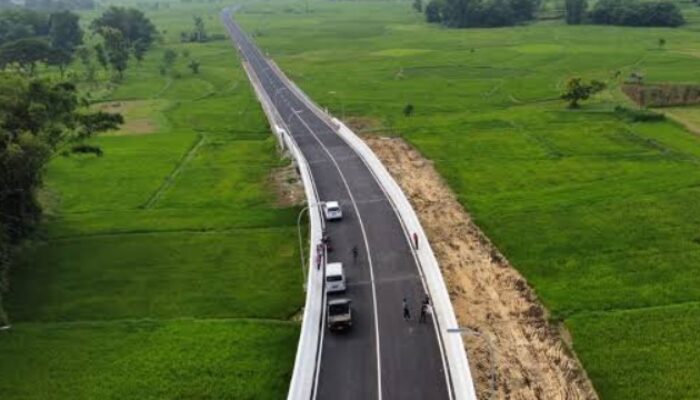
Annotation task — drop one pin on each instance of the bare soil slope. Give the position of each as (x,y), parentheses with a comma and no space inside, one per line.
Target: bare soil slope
(513,351)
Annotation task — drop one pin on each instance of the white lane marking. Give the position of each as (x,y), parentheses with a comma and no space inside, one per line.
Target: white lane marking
(314,391)
(362,228)
(448,379)
(445,367)
(319,352)
(367,248)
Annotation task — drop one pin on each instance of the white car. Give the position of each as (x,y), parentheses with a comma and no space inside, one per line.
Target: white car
(335,278)
(332,211)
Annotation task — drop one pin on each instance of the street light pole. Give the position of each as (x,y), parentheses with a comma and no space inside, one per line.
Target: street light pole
(301,242)
(492,351)
(301,246)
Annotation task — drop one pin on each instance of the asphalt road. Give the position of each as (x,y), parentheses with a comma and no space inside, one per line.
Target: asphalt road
(382,356)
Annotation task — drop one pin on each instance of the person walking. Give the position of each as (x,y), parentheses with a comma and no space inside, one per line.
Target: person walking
(406,311)
(424,310)
(355,253)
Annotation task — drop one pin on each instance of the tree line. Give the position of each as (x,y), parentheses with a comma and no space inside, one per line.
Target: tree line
(495,13)
(478,13)
(51,5)
(29,38)
(43,117)
(625,13)
(38,119)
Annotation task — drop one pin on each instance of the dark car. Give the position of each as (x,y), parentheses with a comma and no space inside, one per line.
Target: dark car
(339,314)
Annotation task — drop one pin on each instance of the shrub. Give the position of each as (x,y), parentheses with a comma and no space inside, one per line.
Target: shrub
(642,115)
(86,149)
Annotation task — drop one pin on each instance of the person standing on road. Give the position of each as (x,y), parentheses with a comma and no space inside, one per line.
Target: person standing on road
(355,253)
(406,311)
(424,310)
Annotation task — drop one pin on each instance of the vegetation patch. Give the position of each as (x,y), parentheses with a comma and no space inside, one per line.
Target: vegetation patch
(148,359)
(140,116)
(688,116)
(400,52)
(165,268)
(597,212)
(642,115)
(663,95)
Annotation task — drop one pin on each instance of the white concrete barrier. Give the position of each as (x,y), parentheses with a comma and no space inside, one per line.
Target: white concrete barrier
(306,363)
(443,313)
(452,343)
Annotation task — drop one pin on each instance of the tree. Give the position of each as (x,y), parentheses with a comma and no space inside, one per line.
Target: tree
(169,58)
(116,50)
(18,24)
(523,10)
(417,5)
(482,13)
(575,11)
(91,123)
(65,35)
(85,56)
(101,56)
(577,90)
(194,66)
(25,53)
(433,11)
(140,49)
(200,33)
(38,118)
(138,32)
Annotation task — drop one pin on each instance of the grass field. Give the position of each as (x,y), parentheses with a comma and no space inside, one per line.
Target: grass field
(600,214)
(164,268)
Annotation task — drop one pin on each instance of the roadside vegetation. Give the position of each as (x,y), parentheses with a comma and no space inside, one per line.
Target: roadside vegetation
(495,13)
(596,205)
(162,267)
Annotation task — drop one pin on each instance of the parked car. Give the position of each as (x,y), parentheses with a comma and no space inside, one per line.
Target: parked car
(332,211)
(339,314)
(335,278)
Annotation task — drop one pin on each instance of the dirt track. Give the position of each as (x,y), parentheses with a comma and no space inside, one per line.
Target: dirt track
(513,345)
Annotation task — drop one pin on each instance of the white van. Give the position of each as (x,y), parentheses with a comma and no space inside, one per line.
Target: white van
(332,211)
(335,278)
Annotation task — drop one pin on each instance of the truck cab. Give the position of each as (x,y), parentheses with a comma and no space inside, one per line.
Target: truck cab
(339,316)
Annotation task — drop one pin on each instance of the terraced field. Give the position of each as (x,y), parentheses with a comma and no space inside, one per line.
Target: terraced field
(599,213)
(164,269)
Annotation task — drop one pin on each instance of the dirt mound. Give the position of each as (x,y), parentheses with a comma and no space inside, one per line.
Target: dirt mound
(514,352)
(663,95)
(286,184)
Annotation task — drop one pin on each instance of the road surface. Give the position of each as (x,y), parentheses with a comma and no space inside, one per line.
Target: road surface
(382,356)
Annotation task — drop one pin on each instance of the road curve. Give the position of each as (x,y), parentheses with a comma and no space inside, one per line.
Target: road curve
(382,356)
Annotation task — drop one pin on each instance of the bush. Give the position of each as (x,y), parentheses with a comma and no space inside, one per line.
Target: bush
(642,115)
(634,13)
(86,149)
